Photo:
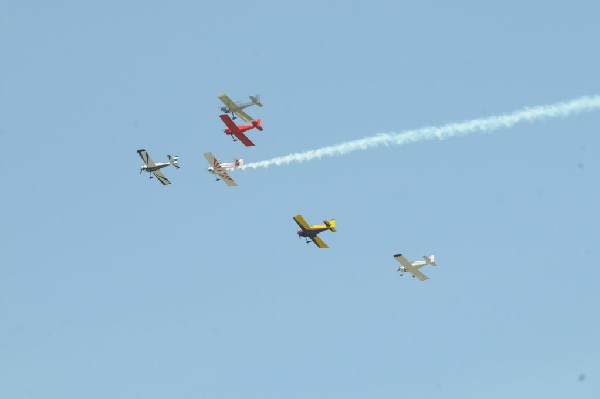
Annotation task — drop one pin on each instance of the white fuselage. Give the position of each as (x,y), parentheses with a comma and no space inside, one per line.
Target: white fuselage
(157,166)
(227,167)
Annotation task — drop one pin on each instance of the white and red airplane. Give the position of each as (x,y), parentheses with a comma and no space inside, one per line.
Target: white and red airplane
(221,169)
(238,131)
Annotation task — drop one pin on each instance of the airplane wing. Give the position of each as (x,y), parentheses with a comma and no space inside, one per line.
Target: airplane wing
(234,108)
(212,160)
(243,115)
(418,275)
(146,158)
(403,261)
(161,178)
(236,131)
(244,139)
(318,242)
(226,178)
(301,222)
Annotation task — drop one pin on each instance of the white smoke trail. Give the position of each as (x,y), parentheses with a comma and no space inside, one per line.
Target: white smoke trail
(528,114)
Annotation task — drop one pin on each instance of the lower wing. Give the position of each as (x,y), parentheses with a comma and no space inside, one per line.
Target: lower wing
(161,178)
(419,275)
(226,178)
(318,242)
(242,137)
(238,111)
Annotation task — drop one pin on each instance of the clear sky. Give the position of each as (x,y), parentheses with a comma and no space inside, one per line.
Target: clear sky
(113,286)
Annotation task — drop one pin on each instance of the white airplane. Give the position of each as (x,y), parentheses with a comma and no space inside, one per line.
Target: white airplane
(220,169)
(413,267)
(237,108)
(152,167)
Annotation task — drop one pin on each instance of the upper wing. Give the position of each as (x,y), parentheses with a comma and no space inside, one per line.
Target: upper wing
(161,178)
(418,275)
(226,178)
(146,158)
(301,222)
(319,243)
(403,261)
(212,160)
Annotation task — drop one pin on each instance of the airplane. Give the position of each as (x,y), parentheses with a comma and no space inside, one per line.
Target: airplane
(220,169)
(237,108)
(152,167)
(238,131)
(413,267)
(310,232)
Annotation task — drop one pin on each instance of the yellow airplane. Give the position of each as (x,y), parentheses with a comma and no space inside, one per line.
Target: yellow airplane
(311,232)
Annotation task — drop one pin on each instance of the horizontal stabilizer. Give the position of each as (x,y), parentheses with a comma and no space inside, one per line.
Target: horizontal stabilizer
(330,224)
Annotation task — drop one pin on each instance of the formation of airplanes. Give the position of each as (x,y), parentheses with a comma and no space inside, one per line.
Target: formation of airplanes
(220,170)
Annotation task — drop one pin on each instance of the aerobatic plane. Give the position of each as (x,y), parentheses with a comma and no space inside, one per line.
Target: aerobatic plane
(153,168)
(220,169)
(237,108)
(413,267)
(238,131)
(310,232)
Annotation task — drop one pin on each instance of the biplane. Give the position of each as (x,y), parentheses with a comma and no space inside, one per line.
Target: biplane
(238,108)
(220,169)
(413,267)
(153,167)
(238,131)
(310,232)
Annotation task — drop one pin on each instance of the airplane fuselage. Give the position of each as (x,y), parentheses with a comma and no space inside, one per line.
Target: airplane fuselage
(157,166)
(241,128)
(312,231)
(228,167)
(226,110)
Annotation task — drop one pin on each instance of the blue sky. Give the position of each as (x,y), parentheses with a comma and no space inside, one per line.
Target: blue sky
(112,285)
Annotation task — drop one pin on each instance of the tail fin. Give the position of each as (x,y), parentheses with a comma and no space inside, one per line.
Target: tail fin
(430,260)
(257,125)
(173,161)
(238,162)
(330,224)
(256,100)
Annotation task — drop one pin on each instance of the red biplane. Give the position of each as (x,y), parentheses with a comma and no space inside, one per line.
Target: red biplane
(238,131)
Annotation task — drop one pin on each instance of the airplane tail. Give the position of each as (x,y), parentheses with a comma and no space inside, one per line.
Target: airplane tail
(257,125)
(256,100)
(430,260)
(330,224)
(173,160)
(238,162)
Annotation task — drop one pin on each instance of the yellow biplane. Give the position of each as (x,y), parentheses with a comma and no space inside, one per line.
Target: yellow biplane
(310,232)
